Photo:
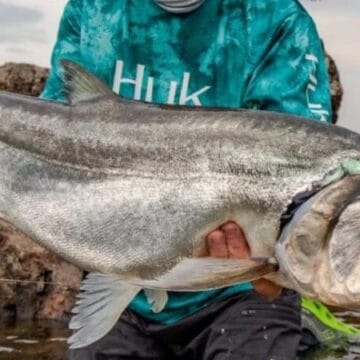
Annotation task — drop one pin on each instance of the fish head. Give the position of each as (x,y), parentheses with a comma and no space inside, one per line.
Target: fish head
(319,249)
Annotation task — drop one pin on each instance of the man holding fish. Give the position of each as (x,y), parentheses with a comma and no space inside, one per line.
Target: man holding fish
(252,54)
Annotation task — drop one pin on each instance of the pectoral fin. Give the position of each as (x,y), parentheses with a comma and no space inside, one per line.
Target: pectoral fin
(100,303)
(197,274)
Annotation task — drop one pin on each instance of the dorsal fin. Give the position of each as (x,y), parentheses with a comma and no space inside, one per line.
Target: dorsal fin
(80,85)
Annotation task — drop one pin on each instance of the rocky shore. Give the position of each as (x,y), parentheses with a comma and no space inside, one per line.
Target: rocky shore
(48,284)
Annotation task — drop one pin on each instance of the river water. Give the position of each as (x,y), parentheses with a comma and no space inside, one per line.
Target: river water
(46,340)
(43,340)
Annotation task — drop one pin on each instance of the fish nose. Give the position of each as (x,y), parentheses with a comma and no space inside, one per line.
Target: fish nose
(344,247)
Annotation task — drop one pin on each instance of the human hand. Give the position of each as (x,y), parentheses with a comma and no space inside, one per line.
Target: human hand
(229,241)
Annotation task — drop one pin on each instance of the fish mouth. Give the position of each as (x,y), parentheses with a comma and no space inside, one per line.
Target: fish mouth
(319,249)
(344,247)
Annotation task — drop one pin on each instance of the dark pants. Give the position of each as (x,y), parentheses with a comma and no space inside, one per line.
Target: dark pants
(245,326)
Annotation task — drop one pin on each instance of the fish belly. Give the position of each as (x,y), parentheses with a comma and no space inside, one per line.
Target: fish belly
(132,225)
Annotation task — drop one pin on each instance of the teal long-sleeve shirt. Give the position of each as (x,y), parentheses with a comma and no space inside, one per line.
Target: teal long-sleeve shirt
(229,53)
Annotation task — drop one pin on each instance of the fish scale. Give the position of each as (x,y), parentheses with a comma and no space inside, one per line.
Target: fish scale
(131,189)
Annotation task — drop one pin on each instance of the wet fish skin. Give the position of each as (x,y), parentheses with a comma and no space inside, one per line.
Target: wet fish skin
(131,189)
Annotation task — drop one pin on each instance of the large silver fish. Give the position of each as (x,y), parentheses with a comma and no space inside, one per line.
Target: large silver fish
(130,190)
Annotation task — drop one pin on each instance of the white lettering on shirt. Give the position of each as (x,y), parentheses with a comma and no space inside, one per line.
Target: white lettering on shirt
(185,97)
(194,97)
(119,80)
(316,108)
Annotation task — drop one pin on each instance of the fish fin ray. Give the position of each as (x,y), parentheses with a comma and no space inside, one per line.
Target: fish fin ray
(80,85)
(97,313)
(86,299)
(157,298)
(194,274)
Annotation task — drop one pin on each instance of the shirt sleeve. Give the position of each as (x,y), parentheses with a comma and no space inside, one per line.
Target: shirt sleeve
(67,46)
(291,75)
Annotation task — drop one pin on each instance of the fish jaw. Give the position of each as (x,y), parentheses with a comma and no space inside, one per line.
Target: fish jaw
(319,250)
(344,251)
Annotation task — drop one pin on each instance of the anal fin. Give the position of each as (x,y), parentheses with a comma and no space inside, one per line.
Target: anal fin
(100,303)
(196,274)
